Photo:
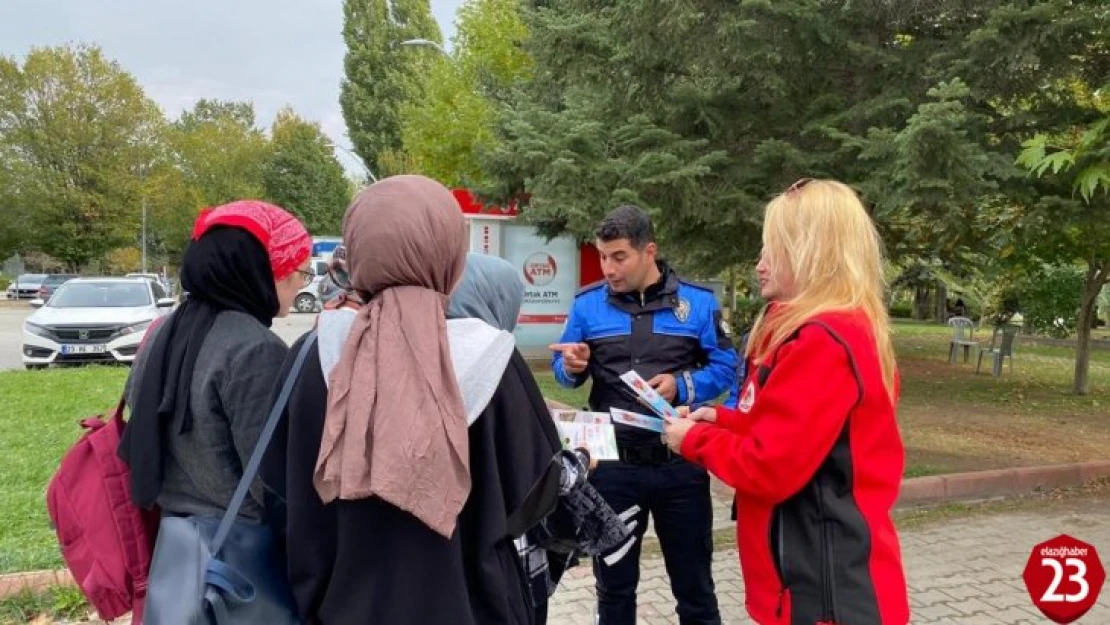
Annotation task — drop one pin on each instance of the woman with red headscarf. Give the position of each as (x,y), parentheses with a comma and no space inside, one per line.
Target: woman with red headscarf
(200,387)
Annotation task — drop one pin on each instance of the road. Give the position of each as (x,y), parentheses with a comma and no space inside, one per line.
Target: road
(13,314)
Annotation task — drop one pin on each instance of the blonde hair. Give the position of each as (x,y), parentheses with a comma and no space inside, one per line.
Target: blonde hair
(821,234)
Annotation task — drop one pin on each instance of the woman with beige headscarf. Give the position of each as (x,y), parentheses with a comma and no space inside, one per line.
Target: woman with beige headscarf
(411,455)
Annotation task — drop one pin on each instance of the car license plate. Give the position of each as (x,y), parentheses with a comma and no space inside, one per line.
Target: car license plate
(84,349)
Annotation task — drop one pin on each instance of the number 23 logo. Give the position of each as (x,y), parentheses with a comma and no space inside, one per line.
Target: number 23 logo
(1052,595)
(1064,577)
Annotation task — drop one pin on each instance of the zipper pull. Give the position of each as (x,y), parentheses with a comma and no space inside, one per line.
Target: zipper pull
(782,599)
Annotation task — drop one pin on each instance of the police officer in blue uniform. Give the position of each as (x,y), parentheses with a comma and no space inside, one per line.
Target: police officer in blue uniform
(644,317)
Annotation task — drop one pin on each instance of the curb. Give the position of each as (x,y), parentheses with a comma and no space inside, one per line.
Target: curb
(980,485)
(12,584)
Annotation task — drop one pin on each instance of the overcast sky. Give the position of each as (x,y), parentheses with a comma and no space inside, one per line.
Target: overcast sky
(272,52)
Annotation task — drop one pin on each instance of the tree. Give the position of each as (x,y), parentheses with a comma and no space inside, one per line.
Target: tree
(445,130)
(701,111)
(212,154)
(303,175)
(220,152)
(13,232)
(1084,168)
(1085,153)
(1045,58)
(380,74)
(75,128)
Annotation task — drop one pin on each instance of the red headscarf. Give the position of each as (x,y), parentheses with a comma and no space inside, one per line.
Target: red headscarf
(285,238)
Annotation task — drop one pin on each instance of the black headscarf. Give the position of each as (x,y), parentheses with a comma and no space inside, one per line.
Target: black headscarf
(225,269)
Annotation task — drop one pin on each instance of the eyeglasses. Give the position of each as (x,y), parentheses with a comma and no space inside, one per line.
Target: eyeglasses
(306,276)
(797,185)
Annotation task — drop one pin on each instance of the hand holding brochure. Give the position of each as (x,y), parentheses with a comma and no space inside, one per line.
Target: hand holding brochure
(649,396)
(637,420)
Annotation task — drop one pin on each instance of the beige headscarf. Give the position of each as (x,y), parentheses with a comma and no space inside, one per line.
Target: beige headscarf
(395,425)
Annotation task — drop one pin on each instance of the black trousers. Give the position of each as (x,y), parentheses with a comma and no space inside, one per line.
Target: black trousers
(676,494)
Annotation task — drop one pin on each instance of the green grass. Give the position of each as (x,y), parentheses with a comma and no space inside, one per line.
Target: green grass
(954,419)
(40,411)
(573,397)
(59,602)
(1041,378)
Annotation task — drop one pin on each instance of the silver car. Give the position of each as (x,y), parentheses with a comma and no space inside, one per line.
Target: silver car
(26,286)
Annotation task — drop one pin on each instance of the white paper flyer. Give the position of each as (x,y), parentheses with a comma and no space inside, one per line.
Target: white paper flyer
(599,439)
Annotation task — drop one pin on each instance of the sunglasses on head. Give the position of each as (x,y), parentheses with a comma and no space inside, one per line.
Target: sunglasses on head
(797,185)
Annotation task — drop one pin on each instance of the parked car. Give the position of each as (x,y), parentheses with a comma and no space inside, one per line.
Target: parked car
(26,286)
(312,297)
(308,298)
(51,283)
(92,320)
(161,280)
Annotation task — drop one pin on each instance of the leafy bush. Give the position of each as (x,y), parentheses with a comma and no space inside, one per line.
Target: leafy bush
(5,281)
(901,309)
(1050,300)
(743,316)
(1005,303)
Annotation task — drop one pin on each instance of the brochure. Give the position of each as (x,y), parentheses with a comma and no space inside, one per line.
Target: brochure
(581,416)
(649,396)
(637,420)
(599,439)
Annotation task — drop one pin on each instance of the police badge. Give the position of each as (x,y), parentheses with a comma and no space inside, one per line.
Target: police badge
(682,310)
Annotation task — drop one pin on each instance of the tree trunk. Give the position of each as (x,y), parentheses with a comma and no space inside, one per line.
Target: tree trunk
(1097,275)
(921,303)
(942,303)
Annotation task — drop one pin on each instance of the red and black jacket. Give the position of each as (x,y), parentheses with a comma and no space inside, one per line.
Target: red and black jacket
(814,453)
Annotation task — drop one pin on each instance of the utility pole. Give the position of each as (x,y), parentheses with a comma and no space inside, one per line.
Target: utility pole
(144,233)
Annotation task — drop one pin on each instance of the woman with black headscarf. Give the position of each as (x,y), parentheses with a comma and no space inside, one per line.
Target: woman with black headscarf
(201,386)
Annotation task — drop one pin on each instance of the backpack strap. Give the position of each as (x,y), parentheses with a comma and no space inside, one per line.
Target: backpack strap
(260,448)
(118,414)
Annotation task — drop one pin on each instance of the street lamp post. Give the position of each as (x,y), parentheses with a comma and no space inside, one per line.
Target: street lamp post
(426,42)
(358,159)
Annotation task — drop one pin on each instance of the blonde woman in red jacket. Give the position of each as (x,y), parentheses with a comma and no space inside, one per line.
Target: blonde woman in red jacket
(813,448)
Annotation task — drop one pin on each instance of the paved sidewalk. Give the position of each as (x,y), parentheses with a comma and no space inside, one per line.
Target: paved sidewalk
(960,572)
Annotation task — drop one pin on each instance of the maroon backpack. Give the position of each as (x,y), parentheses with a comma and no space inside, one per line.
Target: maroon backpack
(106,540)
